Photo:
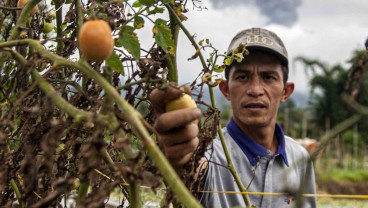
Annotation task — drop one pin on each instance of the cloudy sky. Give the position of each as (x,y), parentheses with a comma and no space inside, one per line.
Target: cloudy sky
(327,30)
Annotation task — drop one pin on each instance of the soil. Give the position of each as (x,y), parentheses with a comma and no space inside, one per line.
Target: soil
(343,187)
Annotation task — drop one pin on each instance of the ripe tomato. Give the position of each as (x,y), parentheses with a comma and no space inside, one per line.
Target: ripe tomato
(21,3)
(95,40)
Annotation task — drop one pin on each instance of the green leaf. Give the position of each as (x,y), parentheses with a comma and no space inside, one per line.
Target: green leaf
(118,42)
(148,2)
(102,15)
(138,22)
(200,43)
(130,42)
(164,37)
(137,4)
(219,69)
(156,10)
(238,57)
(228,61)
(168,1)
(115,63)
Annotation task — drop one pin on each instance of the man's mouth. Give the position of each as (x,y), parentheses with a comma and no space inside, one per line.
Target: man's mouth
(255,105)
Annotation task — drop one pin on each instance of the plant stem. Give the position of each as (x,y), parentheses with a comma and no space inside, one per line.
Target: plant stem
(171,58)
(79,115)
(187,33)
(230,165)
(228,158)
(83,189)
(59,22)
(134,195)
(22,19)
(16,191)
(324,140)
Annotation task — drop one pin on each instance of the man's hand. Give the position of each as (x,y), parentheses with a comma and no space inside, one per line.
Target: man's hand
(177,131)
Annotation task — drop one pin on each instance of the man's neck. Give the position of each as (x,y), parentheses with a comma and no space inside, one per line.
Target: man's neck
(264,136)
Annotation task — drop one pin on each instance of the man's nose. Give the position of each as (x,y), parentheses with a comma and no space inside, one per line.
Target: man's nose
(255,87)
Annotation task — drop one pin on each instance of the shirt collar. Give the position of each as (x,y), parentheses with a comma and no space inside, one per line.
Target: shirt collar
(253,150)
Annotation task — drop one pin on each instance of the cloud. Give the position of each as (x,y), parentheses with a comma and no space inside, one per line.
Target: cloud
(282,12)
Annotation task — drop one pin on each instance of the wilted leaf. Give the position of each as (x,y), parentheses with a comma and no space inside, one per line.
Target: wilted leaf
(178,10)
(194,55)
(138,22)
(163,36)
(115,63)
(130,42)
(219,69)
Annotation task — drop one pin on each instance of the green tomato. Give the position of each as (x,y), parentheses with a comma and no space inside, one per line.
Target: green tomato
(51,15)
(47,27)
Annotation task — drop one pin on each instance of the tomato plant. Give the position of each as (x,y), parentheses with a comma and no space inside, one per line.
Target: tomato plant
(75,126)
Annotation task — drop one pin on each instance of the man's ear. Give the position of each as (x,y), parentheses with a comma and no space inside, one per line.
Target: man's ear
(224,88)
(288,90)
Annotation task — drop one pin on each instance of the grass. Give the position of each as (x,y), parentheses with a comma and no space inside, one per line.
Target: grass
(344,175)
(333,203)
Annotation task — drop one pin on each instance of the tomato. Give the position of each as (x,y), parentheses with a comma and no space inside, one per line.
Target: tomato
(185,101)
(95,40)
(47,27)
(21,3)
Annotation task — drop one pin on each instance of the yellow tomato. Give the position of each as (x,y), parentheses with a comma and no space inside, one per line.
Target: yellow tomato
(185,101)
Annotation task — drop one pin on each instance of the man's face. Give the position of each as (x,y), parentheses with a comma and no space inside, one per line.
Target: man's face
(256,88)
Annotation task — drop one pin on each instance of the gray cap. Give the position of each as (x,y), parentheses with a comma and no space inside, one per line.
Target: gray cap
(260,39)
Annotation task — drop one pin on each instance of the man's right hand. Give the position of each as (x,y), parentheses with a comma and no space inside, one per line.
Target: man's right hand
(177,131)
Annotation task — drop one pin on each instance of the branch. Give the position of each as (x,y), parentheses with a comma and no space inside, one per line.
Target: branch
(59,22)
(228,158)
(23,17)
(171,58)
(11,8)
(230,165)
(16,191)
(186,32)
(325,140)
(363,110)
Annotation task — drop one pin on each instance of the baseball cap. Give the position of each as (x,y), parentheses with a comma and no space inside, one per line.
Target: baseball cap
(260,39)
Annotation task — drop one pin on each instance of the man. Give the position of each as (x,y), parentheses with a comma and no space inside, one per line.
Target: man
(266,160)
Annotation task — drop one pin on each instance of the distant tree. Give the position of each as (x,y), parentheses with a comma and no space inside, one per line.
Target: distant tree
(328,83)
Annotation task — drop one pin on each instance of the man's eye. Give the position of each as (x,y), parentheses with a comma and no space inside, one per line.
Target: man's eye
(242,77)
(268,77)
